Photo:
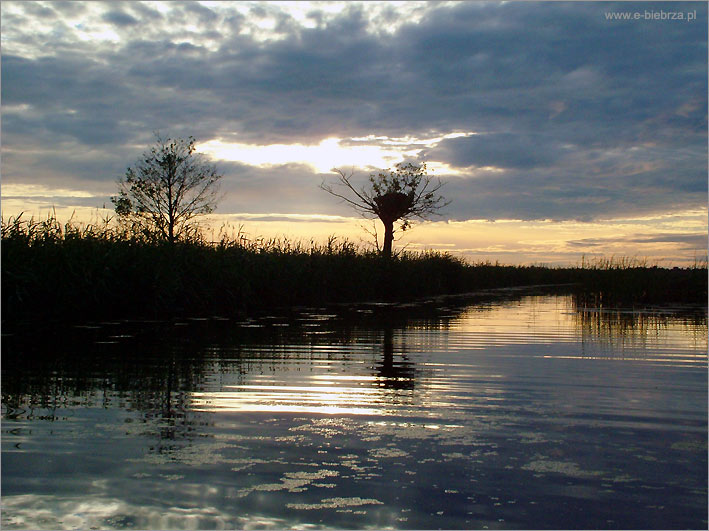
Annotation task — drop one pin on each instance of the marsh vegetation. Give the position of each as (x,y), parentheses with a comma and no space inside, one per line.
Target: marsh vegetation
(70,271)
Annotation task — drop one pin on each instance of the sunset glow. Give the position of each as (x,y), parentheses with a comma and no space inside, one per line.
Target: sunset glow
(571,151)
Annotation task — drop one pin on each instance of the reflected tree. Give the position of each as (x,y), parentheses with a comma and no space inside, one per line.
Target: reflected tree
(395,374)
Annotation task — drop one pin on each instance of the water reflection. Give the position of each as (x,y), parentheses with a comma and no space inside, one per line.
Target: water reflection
(356,362)
(446,415)
(394,369)
(632,334)
(154,367)
(342,385)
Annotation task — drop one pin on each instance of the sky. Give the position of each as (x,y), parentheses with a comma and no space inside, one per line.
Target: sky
(561,130)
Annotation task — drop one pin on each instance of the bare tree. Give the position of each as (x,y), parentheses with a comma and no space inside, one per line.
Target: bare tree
(400,194)
(165,189)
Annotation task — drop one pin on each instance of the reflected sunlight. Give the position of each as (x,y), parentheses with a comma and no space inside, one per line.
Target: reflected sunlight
(324,399)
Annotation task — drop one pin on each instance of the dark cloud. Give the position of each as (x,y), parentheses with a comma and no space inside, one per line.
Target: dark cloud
(504,150)
(587,117)
(290,219)
(198,12)
(39,10)
(119,18)
(144,12)
(692,239)
(69,7)
(689,240)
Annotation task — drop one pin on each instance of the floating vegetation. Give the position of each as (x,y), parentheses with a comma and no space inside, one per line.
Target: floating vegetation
(387,453)
(172,477)
(567,468)
(533,438)
(194,455)
(334,503)
(690,446)
(290,482)
(453,455)
(320,474)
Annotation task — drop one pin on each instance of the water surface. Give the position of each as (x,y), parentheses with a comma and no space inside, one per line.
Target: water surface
(510,413)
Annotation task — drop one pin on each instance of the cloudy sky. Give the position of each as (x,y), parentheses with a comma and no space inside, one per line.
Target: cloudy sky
(559,128)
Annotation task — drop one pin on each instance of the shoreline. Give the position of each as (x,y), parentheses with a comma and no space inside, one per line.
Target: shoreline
(409,308)
(70,276)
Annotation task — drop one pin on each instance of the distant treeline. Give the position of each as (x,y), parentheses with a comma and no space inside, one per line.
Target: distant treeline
(69,272)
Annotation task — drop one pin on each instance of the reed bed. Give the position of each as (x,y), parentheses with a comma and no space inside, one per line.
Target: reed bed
(629,282)
(75,271)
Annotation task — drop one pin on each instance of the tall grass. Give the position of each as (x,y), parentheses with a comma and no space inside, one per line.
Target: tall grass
(626,281)
(98,271)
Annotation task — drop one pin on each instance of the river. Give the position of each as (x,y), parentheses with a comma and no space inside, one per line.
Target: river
(500,412)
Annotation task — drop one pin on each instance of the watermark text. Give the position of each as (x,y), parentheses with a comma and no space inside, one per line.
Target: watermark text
(651,15)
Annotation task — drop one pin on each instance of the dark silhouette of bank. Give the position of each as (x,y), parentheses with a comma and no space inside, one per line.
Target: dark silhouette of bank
(72,273)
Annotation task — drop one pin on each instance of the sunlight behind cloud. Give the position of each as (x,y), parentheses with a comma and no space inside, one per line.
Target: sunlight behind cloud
(322,157)
(360,152)
(103,34)
(309,15)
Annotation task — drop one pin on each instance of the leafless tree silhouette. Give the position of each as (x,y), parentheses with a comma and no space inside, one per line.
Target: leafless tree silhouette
(400,194)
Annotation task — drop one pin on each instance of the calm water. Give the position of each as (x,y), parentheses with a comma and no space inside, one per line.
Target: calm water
(517,413)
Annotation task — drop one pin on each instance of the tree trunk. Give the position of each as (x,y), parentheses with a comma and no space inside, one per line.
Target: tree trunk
(388,238)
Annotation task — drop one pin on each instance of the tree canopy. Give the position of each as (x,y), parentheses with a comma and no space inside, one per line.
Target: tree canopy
(162,193)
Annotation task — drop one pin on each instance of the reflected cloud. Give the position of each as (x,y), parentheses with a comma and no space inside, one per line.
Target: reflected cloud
(50,511)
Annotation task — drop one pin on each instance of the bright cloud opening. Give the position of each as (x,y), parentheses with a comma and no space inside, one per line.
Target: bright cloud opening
(322,157)
(330,153)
